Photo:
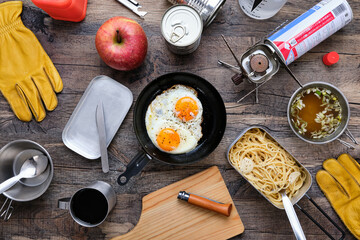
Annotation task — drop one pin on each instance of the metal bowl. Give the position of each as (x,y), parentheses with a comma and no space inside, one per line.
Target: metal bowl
(21,192)
(20,160)
(345,113)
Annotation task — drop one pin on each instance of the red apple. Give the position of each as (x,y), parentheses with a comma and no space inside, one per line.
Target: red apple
(121,43)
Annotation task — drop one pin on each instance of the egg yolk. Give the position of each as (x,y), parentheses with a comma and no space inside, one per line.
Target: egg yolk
(186,109)
(168,139)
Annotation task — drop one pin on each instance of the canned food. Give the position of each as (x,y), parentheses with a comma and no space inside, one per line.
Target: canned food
(208,9)
(311,28)
(181,27)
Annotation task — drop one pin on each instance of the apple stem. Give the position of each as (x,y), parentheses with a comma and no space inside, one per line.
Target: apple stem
(118,38)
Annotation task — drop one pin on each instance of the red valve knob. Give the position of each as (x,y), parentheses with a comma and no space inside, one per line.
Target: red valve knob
(330,58)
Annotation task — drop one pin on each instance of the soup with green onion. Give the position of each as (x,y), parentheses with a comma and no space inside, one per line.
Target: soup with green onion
(316,113)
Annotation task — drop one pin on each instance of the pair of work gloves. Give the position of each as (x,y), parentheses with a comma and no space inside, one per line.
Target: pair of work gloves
(340,182)
(28,78)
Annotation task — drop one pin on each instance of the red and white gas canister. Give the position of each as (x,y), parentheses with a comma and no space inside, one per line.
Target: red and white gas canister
(309,29)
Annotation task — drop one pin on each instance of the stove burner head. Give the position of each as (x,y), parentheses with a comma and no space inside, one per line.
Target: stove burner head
(259,63)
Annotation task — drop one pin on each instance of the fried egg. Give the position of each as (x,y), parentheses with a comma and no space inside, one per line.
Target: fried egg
(173,120)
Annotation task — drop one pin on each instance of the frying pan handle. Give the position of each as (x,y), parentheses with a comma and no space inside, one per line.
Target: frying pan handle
(134,167)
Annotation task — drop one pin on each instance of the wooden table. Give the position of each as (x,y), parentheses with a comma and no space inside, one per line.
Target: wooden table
(72,49)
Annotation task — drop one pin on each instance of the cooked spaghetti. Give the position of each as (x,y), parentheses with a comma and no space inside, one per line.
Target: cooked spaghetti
(266,165)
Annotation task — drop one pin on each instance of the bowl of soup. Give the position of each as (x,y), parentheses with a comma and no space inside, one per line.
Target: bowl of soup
(318,112)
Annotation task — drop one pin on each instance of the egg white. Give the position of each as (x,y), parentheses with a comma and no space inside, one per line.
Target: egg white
(161,114)
(187,140)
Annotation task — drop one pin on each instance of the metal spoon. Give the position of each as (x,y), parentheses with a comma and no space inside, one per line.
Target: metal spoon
(19,161)
(291,214)
(31,168)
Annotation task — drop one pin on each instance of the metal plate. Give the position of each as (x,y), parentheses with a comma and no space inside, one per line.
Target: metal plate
(80,133)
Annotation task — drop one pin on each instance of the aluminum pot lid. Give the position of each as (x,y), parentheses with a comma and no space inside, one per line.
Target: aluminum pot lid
(181,25)
(80,133)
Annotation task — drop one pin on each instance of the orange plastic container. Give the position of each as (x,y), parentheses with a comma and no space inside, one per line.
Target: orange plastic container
(67,10)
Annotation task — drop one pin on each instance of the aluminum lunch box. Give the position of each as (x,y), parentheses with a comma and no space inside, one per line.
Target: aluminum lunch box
(302,191)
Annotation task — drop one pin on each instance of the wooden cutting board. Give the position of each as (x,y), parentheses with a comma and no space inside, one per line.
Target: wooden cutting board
(164,216)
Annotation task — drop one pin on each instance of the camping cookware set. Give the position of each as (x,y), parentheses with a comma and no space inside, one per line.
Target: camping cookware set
(12,157)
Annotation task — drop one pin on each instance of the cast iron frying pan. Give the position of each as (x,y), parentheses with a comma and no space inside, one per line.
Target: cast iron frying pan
(213,124)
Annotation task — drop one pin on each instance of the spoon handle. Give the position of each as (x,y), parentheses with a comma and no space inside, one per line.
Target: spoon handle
(291,214)
(9,183)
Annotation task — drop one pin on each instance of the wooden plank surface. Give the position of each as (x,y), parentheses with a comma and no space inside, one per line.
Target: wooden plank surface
(71,47)
(163,216)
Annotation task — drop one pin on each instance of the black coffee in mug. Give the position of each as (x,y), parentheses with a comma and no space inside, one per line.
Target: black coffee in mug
(89,205)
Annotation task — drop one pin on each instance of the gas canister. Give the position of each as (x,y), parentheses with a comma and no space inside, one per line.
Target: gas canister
(311,28)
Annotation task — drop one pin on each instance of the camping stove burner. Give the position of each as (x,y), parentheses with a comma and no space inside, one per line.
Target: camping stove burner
(259,63)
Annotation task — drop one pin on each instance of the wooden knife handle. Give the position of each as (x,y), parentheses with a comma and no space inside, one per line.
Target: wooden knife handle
(221,208)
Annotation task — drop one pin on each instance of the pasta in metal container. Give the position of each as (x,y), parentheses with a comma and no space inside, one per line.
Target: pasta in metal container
(267,165)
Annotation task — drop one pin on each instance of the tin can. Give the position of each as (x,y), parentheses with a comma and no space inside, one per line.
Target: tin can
(311,28)
(208,9)
(181,27)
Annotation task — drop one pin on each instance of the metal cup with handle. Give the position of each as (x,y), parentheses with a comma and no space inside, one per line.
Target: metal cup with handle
(90,205)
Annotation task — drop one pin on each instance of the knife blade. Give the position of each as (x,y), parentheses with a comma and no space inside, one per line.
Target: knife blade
(100,123)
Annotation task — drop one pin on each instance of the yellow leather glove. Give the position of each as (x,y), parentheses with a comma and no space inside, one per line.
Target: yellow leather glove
(340,184)
(28,77)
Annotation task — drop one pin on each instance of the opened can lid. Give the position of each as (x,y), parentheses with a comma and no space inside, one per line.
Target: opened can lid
(181,25)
